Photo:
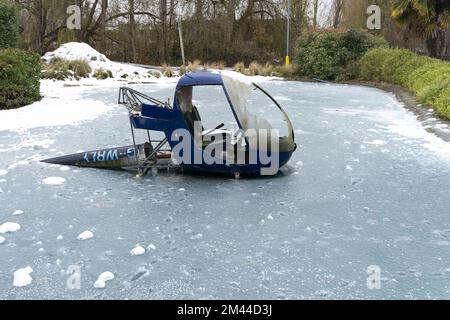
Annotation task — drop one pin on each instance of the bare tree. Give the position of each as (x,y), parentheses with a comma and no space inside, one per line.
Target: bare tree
(315,12)
(163,30)
(103,24)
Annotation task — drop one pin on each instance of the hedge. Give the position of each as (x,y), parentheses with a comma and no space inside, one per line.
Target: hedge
(334,55)
(428,78)
(9,26)
(19,78)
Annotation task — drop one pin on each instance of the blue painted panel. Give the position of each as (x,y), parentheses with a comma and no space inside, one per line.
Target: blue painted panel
(157,112)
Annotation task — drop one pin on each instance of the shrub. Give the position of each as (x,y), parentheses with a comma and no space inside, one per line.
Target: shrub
(167,71)
(102,74)
(19,78)
(9,26)
(220,65)
(60,69)
(285,71)
(428,78)
(333,56)
(57,69)
(240,67)
(155,73)
(193,66)
(81,68)
(182,71)
(254,69)
(267,70)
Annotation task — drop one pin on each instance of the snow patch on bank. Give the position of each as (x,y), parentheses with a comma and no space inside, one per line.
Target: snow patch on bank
(96,60)
(63,107)
(397,120)
(63,104)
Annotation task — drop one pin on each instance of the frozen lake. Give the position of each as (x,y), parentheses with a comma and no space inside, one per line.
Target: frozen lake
(368,186)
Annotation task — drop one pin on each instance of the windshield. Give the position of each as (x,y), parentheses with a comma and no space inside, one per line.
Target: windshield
(254,108)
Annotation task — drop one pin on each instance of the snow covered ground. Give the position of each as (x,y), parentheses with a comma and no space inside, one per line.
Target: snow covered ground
(367,187)
(83,51)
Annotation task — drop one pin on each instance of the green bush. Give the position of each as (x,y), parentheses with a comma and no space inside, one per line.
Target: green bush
(428,78)
(9,26)
(19,78)
(334,56)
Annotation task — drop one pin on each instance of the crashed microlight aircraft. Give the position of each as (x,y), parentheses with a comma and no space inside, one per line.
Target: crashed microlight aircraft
(255,147)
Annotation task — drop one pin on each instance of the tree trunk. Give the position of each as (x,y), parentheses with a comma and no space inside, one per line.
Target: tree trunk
(80,32)
(315,13)
(103,25)
(163,31)
(437,45)
(231,19)
(132,31)
(38,17)
(437,42)
(338,4)
(40,14)
(198,9)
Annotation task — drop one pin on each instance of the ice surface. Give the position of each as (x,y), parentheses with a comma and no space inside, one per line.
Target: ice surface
(329,224)
(3,172)
(22,277)
(2,239)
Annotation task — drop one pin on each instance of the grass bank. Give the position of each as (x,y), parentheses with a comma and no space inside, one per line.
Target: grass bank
(427,78)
